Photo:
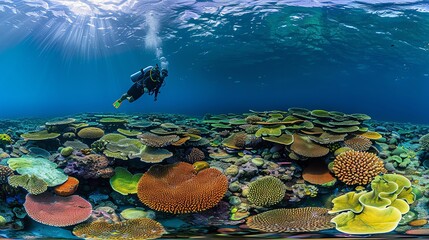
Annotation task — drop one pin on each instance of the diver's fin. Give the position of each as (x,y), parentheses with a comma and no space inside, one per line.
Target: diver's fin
(117,104)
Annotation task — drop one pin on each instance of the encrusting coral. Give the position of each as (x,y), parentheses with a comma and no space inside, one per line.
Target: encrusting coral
(358,143)
(291,220)
(153,140)
(136,229)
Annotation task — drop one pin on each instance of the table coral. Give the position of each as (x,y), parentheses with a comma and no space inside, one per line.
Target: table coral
(57,211)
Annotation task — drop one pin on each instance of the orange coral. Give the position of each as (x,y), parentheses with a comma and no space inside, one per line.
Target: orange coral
(317,173)
(353,167)
(140,228)
(291,220)
(358,143)
(67,188)
(178,188)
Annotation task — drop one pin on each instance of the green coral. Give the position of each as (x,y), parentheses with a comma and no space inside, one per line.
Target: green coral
(31,183)
(40,136)
(377,211)
(5,139)
(370,221)
(124,182)
(39,167)
(275,130)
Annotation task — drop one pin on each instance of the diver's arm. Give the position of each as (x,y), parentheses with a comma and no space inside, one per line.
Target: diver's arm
(156,94)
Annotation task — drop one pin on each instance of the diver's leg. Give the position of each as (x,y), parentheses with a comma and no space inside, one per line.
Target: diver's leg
(118,102)
(130,99)
(123,97)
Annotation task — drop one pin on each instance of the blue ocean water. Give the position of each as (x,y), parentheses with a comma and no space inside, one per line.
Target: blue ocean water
(62,57)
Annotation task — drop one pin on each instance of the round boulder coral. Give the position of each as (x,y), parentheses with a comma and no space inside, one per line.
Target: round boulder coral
(178,188)
(266,191)
(91,133)
(353,167)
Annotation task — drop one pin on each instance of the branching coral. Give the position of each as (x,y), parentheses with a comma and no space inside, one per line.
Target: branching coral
(354,167)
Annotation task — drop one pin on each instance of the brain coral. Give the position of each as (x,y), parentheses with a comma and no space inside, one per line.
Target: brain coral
(358,143)
(153,140)
(291,220)
(353,167)
(177,188)
(53,210)
(266,191)
(91,133)
(140,228)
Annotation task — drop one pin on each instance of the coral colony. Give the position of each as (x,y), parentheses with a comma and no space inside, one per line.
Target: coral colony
(130,176)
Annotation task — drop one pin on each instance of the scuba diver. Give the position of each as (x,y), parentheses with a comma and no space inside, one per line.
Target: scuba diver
(149,80)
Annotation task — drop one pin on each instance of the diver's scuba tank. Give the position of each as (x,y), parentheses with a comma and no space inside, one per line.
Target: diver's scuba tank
(139,74)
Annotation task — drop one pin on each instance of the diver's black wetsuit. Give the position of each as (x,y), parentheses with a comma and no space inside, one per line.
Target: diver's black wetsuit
(151,80)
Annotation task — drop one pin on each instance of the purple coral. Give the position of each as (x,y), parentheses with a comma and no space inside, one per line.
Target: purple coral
(90,166)
(217,216)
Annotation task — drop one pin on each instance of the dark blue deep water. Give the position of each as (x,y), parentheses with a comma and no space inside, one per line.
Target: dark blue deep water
(62,57)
